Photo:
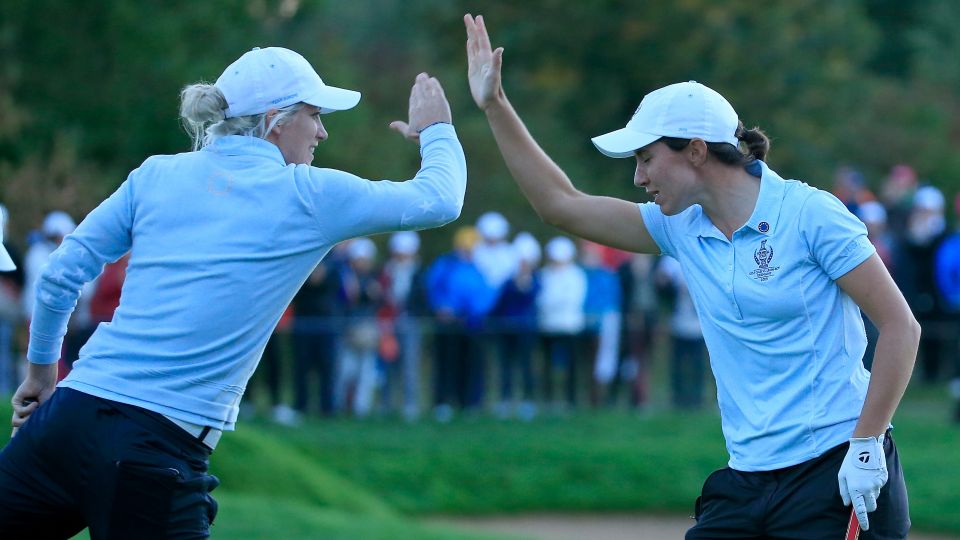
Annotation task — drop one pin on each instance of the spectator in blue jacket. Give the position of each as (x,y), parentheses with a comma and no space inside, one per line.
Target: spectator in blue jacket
(603,319)
(947,272)
(460,299)
(515,313)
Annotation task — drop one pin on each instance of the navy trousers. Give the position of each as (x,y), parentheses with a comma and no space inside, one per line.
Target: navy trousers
(798,502)
(124,472)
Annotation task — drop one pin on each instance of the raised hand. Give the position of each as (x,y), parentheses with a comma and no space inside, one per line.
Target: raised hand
(483,64)
(428,105)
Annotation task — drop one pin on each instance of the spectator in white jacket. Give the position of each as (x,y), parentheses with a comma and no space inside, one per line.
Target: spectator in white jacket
(561,317)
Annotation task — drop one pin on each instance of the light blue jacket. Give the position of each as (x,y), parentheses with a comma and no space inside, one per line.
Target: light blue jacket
(220,241)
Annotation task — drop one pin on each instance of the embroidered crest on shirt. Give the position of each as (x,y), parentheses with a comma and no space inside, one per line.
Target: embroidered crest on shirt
(763,255)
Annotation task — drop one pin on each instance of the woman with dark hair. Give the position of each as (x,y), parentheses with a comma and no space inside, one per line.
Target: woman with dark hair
(778,271)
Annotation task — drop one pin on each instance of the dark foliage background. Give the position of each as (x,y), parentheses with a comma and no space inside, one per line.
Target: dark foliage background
(87,92)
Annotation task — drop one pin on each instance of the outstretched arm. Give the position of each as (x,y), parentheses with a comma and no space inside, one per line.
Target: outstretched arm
(607,220)
(348,206)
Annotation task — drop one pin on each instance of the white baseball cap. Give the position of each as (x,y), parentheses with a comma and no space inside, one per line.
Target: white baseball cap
(872,212)
(561,249)
(527,247)
(687,110)
(58,223)
(273,78)
(405,243)
(361,248)
(929,198)
(493,226)
(6,263)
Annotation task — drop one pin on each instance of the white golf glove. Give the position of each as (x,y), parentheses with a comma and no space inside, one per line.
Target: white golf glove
(863,473)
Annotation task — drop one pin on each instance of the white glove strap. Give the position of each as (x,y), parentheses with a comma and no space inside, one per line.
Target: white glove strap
(869,452)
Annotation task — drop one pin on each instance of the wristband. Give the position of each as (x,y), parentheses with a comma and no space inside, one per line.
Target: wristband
(431,125)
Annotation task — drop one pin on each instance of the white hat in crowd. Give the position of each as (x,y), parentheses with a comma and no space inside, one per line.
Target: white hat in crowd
(361,248)
(561,249)
(527,248)
(872,212)
(58,223)
(6,263)
(929,198)
(493,226)
(405,243)
(687,110)
(273,78)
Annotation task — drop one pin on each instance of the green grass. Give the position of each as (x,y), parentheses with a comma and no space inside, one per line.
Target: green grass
(253,517)
(373,478)
(245,516)
(929,445)
(584,462)
(609,461)
(258,464)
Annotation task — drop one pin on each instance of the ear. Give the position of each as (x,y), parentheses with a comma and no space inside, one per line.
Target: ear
(697,152)
(268,119)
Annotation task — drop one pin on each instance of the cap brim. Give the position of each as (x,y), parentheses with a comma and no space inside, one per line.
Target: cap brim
(622,143)
(6,263)
(332,99)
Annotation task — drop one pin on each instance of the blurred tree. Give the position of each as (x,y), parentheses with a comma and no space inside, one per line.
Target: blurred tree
(87,94)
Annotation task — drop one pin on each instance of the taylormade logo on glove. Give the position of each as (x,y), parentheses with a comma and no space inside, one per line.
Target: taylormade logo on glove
(863,473)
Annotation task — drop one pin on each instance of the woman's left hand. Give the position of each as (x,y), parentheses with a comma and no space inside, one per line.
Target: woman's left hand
(428,106)
(39,385)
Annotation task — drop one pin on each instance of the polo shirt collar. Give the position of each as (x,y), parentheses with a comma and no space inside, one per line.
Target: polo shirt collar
(765,214)
(244,145)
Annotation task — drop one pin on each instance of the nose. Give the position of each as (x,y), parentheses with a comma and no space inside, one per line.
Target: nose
(640,178)
(321,131)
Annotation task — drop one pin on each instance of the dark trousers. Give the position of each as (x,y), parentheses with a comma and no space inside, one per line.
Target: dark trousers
(636,352)
(560,367)
(798,502)
(938,345)
(268,373)
(687,367)
(315,351)
(516,352)
(459,367)
(122,471)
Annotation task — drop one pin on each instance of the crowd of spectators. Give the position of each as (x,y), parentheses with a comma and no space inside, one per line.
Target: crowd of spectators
(504,325)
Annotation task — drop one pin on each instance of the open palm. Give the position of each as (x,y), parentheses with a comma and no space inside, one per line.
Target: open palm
(483,63)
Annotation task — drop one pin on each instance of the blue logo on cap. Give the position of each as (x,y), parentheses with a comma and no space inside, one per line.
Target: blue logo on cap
(284,98)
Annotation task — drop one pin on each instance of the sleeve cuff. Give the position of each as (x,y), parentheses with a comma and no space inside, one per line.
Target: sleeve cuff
(43,352)
(440,130)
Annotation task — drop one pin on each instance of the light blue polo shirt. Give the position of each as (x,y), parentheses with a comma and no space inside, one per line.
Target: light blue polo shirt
(786,343)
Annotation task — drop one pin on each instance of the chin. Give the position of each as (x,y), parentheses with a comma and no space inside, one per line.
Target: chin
(668,210)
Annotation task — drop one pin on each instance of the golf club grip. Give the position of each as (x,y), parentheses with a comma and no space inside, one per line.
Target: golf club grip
(853,527)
